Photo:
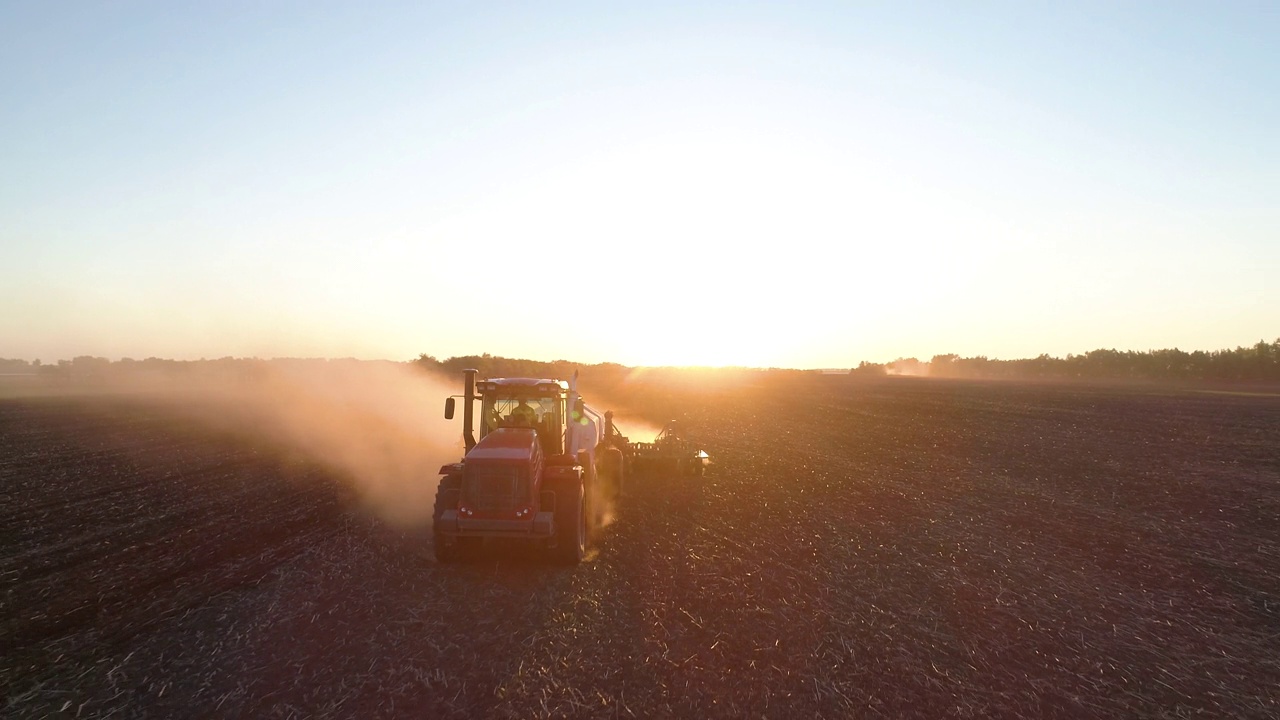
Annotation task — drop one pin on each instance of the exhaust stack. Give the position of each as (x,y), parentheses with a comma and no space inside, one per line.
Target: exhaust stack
(468,410)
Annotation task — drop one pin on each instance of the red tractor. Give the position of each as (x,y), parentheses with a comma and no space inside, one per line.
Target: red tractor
(542,470)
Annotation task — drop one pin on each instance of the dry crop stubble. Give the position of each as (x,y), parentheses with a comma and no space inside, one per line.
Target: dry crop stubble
(906,548)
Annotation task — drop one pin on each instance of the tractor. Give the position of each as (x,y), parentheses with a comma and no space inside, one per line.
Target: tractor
(543,469)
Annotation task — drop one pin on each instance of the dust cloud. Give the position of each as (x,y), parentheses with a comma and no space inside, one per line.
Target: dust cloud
(907,372)
(379,426)
(635,428)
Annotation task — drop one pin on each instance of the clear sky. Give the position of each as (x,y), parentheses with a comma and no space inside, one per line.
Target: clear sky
(768,184)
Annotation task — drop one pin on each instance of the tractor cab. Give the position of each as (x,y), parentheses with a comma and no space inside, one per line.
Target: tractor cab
(525,403)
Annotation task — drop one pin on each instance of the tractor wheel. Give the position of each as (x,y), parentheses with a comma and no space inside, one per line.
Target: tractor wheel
(447,550)
(571,524)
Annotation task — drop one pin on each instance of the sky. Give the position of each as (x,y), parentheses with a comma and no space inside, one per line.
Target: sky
(802,184)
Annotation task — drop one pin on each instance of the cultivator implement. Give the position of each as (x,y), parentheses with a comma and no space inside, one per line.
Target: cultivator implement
(668,454)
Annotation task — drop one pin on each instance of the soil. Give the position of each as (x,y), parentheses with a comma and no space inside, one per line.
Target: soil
(899,548)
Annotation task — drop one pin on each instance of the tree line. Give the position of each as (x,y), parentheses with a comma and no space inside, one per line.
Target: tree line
(1259,362)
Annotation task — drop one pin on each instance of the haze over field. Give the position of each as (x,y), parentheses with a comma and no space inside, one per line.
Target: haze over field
(802,185)
(376,427)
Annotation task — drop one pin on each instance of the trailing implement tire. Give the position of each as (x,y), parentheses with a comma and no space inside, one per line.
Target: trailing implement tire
(571,524)
(593,501)
(612,473)
(610,466)
(447,494)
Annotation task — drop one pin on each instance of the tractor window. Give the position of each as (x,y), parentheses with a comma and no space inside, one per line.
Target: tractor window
(519,411)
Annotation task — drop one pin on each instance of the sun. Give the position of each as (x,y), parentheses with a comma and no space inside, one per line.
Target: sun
(718,339)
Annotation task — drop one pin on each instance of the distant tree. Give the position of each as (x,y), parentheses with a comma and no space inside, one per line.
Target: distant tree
(868,369)
(86,366)
(944,365)
(14,366)
(1258,362)
(61,370)
(907,366)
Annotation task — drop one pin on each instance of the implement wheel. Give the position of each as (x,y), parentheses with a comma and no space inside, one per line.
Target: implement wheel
(612,473)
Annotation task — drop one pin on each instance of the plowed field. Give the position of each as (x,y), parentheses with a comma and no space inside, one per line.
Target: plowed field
(902,548)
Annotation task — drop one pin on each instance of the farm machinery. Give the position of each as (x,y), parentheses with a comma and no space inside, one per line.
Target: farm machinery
(669,453)
(545,468)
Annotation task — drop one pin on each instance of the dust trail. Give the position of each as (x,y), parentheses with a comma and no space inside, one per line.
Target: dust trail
(636,428)
(378,425)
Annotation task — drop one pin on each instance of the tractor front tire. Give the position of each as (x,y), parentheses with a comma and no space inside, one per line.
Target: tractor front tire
(448,550)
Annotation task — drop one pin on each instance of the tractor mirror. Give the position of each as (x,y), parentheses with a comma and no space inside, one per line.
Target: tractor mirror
(580,408)
(448,408)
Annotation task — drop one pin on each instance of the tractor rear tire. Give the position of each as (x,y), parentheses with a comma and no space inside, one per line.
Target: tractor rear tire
(571,524)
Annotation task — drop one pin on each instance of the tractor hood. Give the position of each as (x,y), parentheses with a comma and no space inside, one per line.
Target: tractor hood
(510,444)
(501,476)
